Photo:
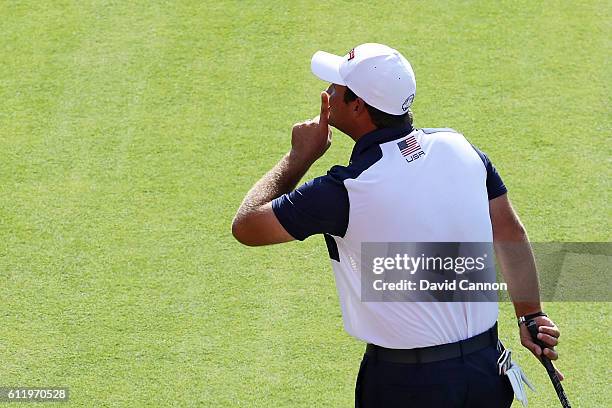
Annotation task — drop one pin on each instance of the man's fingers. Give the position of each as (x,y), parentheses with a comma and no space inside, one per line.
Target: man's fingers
(535,349)
(548,340)
(551,354)
(553,331)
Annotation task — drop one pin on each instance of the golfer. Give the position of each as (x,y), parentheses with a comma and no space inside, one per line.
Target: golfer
(401,184)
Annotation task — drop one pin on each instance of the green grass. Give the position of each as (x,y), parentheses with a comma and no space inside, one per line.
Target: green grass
(130,131)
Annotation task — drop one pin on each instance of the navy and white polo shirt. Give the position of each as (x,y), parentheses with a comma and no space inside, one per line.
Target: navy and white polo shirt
(401,185)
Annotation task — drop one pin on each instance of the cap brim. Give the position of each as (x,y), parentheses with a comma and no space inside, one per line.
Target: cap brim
(326,66)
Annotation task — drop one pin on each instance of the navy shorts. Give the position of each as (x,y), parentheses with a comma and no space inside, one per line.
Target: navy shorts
(470,381)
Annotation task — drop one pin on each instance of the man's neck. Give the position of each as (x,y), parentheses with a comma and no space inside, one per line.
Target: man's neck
(362,131)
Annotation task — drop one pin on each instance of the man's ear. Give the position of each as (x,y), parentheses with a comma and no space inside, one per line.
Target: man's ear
(359,106)
(361,111)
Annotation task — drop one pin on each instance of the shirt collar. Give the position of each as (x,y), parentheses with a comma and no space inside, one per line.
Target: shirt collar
(379,136)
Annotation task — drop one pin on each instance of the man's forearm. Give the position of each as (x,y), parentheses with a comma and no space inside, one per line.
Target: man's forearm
(518,267)
(281,179)
(255,222)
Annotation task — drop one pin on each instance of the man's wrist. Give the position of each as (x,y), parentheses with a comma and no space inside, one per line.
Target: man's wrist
(522,319)
(298,162)
(524,308)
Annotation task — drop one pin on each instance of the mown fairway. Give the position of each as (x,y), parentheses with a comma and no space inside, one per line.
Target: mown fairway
(130,131)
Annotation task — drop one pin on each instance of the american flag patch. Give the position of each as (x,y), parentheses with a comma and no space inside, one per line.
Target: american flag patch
(409,146)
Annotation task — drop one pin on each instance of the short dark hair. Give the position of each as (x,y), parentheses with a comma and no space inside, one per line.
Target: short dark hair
(379,118)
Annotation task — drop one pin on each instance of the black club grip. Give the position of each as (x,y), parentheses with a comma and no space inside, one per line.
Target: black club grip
(532,327)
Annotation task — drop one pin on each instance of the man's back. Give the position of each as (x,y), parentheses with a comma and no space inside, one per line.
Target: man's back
(426,186)
(439,196)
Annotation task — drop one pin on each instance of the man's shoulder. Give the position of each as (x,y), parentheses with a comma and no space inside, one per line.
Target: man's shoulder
(356,166)
(334,179)
(429,131)
(339,173)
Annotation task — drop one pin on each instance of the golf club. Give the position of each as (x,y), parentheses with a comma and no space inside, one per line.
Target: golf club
(532,326)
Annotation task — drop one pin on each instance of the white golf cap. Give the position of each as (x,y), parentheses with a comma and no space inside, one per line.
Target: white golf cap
(378,74)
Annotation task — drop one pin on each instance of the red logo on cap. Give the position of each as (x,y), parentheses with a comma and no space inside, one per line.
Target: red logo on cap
(351,54)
